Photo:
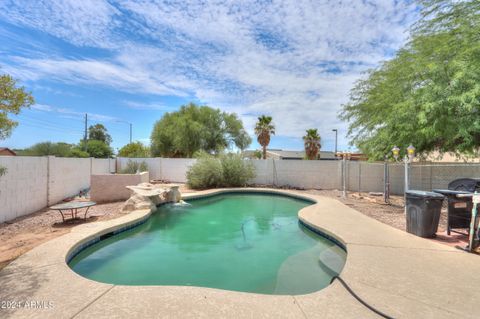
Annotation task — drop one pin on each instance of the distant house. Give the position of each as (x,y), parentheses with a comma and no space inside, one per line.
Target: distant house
(279,154)
(6,152)
(437,157)
(353,156)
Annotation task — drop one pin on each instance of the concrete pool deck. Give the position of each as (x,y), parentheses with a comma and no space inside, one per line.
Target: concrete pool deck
(399,274)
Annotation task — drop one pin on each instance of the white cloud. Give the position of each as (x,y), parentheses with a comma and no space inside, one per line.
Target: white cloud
(146,106)
(294,60)
(86,22)
(69,113)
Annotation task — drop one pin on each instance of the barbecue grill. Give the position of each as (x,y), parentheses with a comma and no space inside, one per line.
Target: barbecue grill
(459,212)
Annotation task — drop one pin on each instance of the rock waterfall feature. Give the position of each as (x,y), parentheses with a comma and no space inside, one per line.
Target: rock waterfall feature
(148,196)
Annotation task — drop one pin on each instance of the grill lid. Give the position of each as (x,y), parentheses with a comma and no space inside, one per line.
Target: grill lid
(465,184)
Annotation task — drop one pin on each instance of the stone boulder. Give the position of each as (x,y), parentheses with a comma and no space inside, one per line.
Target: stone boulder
(148,196)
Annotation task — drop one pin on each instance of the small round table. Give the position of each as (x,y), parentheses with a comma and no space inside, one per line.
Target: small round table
(73,207)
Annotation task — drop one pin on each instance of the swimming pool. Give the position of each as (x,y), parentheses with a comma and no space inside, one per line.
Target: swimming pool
(251,242)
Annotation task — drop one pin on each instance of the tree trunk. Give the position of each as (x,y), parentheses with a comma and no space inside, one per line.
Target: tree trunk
(264,151)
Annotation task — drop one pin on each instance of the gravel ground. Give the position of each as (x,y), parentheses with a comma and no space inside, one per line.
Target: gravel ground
(22,234)
(391,214)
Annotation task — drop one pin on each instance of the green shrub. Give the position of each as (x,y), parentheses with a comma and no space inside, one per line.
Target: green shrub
(3,170)
(228,170)
(236,171)
(205,173)
(134,167)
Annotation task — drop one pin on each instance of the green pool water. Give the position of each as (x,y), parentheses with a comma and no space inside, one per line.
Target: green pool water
(242,242)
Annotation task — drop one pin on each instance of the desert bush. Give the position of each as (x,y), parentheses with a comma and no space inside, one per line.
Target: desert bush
(228,170)
(205,173)
(134,167)
(236,171)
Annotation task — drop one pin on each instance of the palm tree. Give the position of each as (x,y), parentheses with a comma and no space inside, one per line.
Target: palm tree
(263,129)
(311,141)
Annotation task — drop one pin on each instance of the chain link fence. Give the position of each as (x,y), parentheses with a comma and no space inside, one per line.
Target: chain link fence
(432,176)
(370,177)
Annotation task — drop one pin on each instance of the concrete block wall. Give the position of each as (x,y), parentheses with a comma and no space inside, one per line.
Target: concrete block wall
(428,177)
(175,169)
(23,189)
(263,172)
(103,165)
(307,174)
(154,165)
(32,183)
(112,187)
(365,177)
(397,178)
(170,169)
(67,176)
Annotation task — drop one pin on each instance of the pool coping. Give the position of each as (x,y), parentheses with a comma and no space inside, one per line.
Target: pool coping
(398,273)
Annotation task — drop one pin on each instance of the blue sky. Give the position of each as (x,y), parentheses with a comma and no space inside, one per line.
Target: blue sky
(131,61)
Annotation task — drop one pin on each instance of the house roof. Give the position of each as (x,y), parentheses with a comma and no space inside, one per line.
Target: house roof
(299,154)
(7,150)
(286,154)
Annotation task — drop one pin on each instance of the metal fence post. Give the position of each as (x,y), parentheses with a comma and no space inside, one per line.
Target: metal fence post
(359,177)
(406,186)
(407,181)
(344,175)
(386,182)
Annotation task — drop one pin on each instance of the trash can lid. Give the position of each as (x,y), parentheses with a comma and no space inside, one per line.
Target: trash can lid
(450,192)
(423,194)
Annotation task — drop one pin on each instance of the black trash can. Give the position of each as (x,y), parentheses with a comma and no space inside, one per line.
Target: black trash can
(459,212)
(423,212)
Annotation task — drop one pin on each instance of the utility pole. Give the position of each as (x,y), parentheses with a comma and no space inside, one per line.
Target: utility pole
(130,133)
(85,136)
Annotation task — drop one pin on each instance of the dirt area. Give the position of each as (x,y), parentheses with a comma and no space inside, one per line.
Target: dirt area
(22,234)
(374,206)
(392,214)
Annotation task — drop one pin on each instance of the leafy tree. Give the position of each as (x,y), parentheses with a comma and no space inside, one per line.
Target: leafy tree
(99,132)
(48,148)
(243,140)
(428,95)
(77,152)
(264,129)
(135,149)
(97,149)
(194,128)
(311,142)
(12,100)
(60,149)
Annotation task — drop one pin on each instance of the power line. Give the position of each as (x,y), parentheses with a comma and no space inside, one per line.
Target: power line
(51,129)
(48,126)
(46,123)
